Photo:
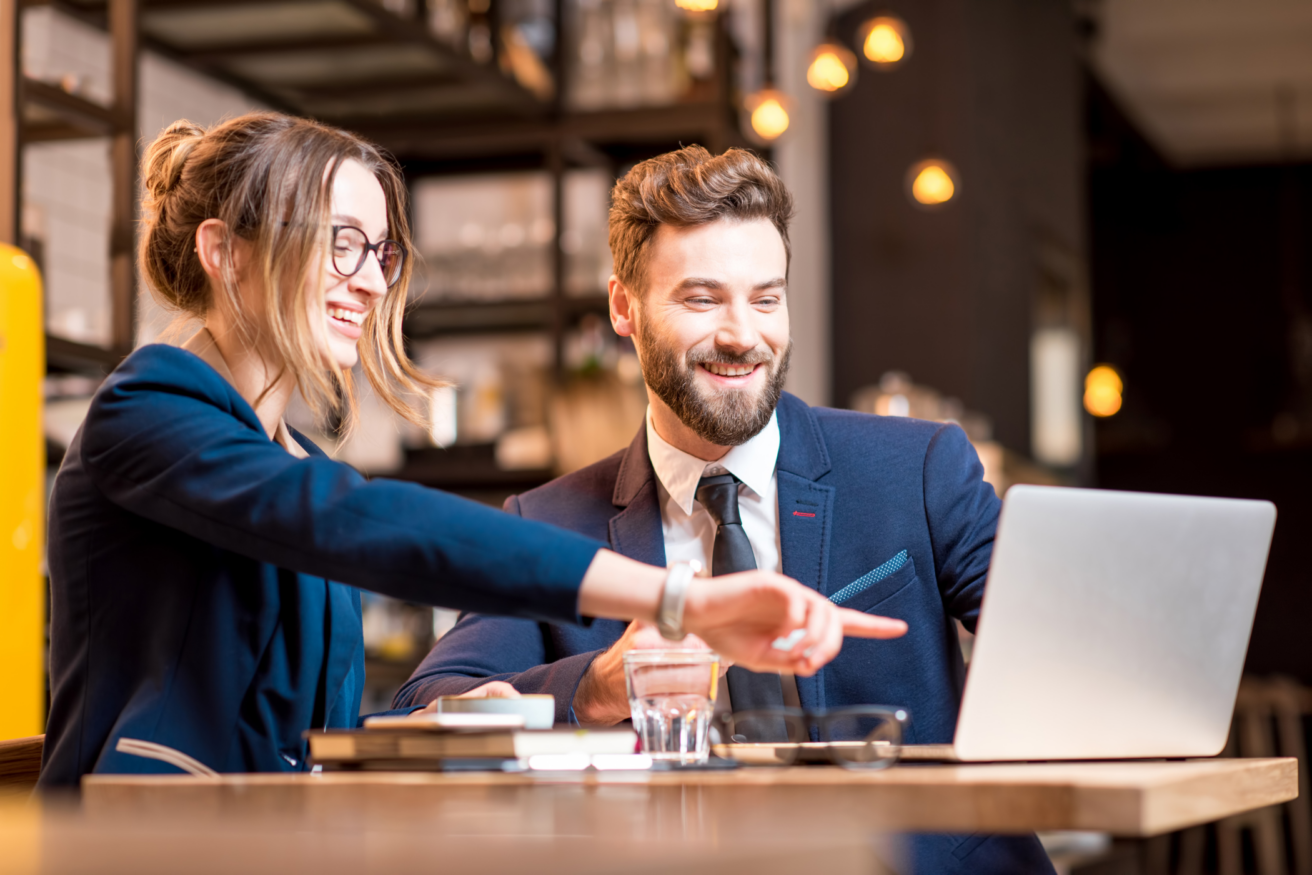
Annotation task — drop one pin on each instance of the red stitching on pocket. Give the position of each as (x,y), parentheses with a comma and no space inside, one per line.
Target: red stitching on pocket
(802,513)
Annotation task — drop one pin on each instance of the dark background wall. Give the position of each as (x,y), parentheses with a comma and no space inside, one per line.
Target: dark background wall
(1199,282)
(1201,296)
(949,295)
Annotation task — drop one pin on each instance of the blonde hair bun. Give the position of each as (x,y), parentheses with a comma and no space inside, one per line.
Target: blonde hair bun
(166,157)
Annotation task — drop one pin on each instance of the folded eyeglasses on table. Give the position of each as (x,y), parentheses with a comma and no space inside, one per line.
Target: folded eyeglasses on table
(859,737)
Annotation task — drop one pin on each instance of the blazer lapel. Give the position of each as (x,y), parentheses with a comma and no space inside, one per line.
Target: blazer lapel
(805,512)
(636,530)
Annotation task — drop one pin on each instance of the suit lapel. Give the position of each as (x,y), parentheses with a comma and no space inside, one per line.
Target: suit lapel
(636,530)
(805,513)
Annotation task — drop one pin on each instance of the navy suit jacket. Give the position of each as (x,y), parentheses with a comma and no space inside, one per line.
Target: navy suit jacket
(855,491)
(192,568)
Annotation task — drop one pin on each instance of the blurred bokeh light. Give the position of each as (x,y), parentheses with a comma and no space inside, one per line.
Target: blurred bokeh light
(933,182)
(885,41)
(769,113)
(832,69)
(1102,391)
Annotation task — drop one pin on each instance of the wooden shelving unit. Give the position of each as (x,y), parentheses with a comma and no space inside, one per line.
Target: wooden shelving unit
(43,112)
(557,140)
(474,114)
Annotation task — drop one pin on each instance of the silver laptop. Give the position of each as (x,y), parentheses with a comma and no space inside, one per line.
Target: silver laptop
(1114,626)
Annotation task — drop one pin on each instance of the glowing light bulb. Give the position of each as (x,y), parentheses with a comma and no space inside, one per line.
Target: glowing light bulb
(885,41)
(832,68)
(1102,391)
(769,113)
(932,183)
(697,5)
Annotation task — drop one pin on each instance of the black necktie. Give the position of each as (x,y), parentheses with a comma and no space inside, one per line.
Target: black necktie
(732,552)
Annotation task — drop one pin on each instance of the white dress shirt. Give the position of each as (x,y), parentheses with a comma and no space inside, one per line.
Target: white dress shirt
(688,527)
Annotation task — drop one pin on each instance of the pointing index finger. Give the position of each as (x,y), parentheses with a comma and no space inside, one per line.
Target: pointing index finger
(859,625)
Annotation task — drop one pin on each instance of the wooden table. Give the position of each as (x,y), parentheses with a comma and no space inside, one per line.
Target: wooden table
(1132,799)
(763,822)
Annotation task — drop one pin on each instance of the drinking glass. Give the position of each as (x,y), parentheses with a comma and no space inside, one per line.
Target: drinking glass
(671,698)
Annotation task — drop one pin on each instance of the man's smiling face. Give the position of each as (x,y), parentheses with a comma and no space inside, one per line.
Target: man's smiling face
(711,325)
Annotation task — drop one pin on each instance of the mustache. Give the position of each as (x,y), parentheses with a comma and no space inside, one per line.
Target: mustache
(719,357)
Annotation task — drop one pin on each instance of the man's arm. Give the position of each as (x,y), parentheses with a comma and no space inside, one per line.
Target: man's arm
(483,648)
(962,513)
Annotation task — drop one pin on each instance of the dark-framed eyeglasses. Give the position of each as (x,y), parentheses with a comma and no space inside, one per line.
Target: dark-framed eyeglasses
(860,737)
(351,247)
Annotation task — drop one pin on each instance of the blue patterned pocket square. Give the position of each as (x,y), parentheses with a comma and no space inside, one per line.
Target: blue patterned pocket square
(870,578)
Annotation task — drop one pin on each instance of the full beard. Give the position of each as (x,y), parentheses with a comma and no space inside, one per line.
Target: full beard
(725,417)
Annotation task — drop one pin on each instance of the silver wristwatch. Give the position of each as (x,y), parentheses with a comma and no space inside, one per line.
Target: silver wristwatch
(674,595)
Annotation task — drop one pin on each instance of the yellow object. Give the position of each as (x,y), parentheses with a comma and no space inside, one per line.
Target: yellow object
(1102,391)
(697,5)
(22,494)
(769,114)
(885,41)
(932,183)
(832,69)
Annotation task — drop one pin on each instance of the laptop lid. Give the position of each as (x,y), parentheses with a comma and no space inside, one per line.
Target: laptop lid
(1114,625)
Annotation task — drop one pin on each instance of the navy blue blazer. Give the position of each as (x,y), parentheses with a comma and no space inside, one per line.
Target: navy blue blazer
(856,492)
(192,568)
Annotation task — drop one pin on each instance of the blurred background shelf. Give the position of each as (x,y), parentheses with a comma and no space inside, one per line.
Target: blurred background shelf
(468,469)
(51,113)
(457,317)
(69,355)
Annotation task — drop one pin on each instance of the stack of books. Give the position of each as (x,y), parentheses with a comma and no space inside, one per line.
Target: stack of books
(427,741)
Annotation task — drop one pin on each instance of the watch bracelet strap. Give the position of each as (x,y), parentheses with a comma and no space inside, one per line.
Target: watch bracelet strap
(674,596)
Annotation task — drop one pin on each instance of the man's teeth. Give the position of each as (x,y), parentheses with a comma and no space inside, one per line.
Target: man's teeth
(355,317)
(728,370)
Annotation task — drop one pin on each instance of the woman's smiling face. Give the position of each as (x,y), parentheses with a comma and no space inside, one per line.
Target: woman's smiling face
(357,201)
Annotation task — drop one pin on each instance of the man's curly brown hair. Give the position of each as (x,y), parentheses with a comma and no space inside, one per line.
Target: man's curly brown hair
(686,187)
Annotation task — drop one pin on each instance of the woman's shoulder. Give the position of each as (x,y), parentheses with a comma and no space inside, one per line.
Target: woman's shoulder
(162,380)
(161,367)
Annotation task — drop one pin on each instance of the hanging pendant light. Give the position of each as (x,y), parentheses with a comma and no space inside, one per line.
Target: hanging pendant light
(885,41)
(768,108)
(697,5)
(932,183)
(832,69)
(1102,391)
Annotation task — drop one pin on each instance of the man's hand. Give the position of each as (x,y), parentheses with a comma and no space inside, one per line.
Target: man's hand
(489,690)
(601,699)
(742,615)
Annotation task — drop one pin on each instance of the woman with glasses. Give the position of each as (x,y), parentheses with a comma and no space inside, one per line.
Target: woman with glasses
(203,555)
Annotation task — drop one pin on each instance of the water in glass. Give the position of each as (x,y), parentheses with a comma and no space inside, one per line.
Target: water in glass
(671,699)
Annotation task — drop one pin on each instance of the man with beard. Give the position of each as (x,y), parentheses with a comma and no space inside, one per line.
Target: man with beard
(886,515)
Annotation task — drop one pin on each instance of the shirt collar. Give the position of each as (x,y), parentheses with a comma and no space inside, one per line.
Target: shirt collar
(752,462)
(203,346)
